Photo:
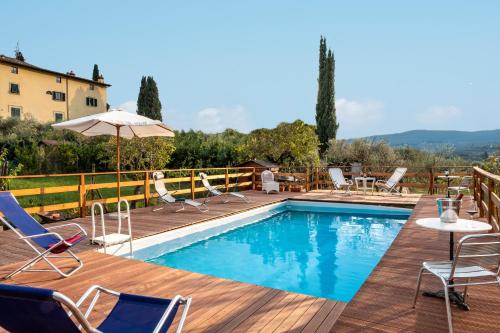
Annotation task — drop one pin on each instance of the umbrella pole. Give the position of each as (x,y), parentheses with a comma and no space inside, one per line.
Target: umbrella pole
(118,161)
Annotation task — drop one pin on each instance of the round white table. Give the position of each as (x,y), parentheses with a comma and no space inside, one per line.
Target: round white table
(464,226)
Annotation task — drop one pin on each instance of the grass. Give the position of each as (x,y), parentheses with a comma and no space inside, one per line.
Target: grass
(58,198)
(67,197)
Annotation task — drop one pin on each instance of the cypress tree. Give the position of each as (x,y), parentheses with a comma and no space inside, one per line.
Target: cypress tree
(95,73)
(141,102)
(148,101)
(326,119)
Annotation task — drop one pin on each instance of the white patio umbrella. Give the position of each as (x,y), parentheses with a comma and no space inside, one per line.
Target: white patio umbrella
(119,123)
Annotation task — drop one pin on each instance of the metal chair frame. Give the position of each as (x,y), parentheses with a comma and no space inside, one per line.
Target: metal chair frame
(215,192)
(45,255)
(82,316)
(163,197)
(456,271)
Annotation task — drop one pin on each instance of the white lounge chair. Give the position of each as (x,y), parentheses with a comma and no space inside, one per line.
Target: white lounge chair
(464,185)
(339,181)
(390,185)
(168,199)
(212,191)
(268,183)
(476,263)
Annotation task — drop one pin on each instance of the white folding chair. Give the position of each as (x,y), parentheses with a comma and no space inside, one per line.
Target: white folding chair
(339,181)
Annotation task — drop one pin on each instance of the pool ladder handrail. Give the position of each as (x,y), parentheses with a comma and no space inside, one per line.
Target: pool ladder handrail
(103,242)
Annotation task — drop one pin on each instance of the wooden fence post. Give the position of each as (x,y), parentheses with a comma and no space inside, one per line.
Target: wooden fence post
(226,179)
(481,197)
(82,196)
(307,179)
(192,185)
(431,180)
(147,189)
(316,178)
(474,183)
(253,179)
(491,187)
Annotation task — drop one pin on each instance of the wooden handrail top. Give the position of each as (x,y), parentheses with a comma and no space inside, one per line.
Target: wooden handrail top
(495,178)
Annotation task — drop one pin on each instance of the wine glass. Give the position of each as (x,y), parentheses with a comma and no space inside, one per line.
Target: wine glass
(472,208)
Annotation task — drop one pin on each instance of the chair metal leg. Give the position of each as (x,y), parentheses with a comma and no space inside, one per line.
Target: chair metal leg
(419,281)
(26,266)
(182,207)
(448,308)
(466,291)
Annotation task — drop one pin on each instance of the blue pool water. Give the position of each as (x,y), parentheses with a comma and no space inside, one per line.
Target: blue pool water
(322,250)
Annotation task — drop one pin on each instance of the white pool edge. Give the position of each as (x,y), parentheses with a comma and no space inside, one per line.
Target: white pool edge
(148,241)
(142,243)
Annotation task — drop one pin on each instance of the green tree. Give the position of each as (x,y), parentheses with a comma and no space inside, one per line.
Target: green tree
(95,73)
(151,153)
(195,149)
(288,144)
(148,101)
(326,118)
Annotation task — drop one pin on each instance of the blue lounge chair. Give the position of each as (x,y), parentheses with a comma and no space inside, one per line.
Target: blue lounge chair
(52,245)
(27,309)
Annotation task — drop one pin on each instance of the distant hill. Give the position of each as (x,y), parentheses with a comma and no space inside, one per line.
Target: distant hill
(469,145)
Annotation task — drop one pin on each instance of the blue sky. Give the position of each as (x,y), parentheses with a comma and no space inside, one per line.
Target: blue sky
(400,65)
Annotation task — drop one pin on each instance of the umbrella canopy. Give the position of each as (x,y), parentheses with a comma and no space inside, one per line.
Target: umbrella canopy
(130,125)
(120,124)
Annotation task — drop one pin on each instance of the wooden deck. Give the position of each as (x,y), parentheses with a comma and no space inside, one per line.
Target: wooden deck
(383,304)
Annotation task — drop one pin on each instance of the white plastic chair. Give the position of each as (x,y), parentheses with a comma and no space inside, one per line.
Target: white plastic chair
(477,262)
(339,181)
(268,183)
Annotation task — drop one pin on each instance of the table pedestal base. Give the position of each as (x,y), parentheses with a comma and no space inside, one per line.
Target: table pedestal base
(454,296)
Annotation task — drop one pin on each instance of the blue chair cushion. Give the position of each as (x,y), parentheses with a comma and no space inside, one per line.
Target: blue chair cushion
(137,314)
(23,221)
(27,310)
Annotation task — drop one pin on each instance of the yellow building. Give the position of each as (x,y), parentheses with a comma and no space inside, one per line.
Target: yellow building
(47,96)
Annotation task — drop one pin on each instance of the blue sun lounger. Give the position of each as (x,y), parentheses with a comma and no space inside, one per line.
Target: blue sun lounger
(46,243)
(27,309)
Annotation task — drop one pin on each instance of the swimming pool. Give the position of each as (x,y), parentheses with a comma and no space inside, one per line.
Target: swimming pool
(319,249)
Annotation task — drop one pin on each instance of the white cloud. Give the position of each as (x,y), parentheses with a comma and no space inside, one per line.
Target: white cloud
(358,118)
(439,116)
(214,120)
(210,119)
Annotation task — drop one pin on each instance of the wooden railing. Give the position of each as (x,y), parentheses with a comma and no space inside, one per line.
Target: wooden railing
(54,192)
(417,179)
(487,196)
(77,192)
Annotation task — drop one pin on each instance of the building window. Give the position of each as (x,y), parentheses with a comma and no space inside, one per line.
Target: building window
(91,87)
(14,70)
(58,79)
(58,117)
(58,96)
(92,102)
(14,88)
(15,112)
